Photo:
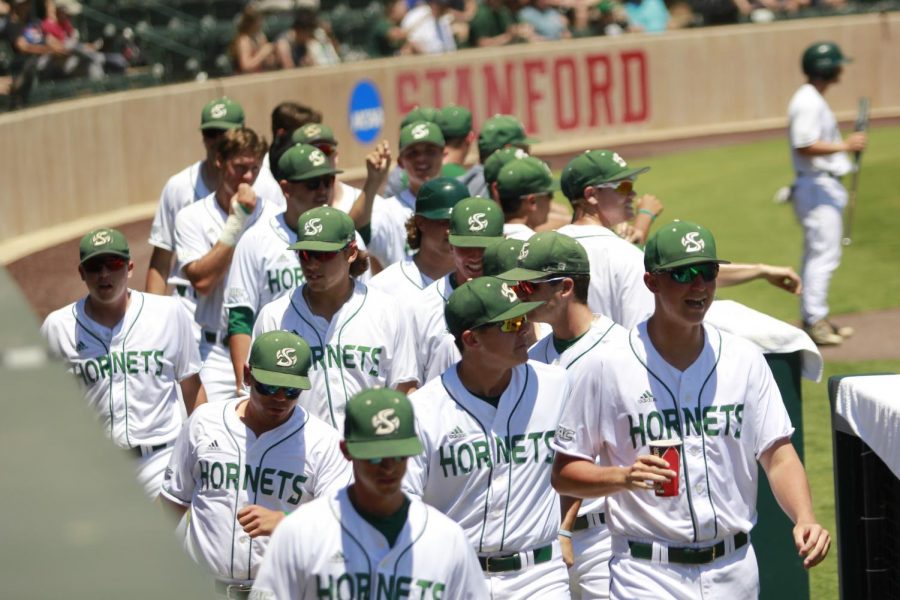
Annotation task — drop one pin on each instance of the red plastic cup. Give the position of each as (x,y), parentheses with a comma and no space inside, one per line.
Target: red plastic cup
(669,451)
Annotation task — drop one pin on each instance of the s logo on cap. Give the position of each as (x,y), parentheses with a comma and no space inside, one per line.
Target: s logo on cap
(313,227)
(312,130)
(523,253)
(286,357)
(101,238)
(317,158)
(691,243)
(477,222)
(508,292)
(419,131)
(619,160)
(385,422)
(218,111)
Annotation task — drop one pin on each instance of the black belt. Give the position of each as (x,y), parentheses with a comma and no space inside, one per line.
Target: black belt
(181,290)
(212,337)
(585,521)
(141,451)
(686,555)
(815,173)
(233,591)
(513,562)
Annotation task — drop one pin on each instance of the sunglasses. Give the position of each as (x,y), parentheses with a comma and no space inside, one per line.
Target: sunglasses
(509,325)
(317,182)
(112,263)
(320,255)
(687,274)
(622,187)
(526,288)
(270,390)
(378,461)
(211,134)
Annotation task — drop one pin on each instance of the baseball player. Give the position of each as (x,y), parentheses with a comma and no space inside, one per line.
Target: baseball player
(240,466)
(499,131)
(713,398)
(358,338)
(286,118)
(554,269)
(475,224)
(819,157)
(263,268)
(427,234)
(486,425)
(206,233)
(371,540)
(130,351)
(524,188)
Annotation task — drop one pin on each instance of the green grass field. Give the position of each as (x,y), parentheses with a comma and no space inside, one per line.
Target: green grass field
(729,189)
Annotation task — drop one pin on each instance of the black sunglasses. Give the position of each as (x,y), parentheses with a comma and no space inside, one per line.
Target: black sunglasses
(317,182)
(270,390)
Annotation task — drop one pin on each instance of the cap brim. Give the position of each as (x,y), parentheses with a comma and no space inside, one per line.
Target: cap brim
(416,143)
(315,173)
(438,214)
(220,125)
(693,260)
(473,241)
(522,308)
(125,255)
(385,448)
(280,379)
(318,246)
(627,174)
(520,274)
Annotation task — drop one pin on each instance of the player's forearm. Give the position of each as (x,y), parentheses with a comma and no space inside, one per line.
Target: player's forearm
(581,478)
(821,148)
(737,273)
(158,272)
(239,348)
(568,511)
(190,388)
(788,481)
(361,211)
(206,273)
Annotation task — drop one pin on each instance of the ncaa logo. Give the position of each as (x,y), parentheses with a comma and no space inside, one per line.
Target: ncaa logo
(478,222)
(218,111)
(313,227)
(419,131)
(385,422)
(101,238)
(286,357)
(691,242)
(365,112)
(619,160)
(523,253)
(508,292)
(317,158)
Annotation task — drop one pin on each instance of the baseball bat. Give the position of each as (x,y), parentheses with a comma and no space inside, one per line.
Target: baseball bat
(862,123)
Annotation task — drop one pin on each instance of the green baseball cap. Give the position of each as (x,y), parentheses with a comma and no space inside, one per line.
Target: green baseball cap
(313,132)
(455,121)
(475,223)
(549,253)
(421,132)
(105,240)
(500,131)
(379,423)
(678,244)
(594,167)
(302,161)
(482,301)
(501,256)
(419,113)
(523,176)
(495,161)
(437,197)
(281,358)
(222,113)
(323,229)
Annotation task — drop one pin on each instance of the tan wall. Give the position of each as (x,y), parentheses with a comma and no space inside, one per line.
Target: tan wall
(74,165)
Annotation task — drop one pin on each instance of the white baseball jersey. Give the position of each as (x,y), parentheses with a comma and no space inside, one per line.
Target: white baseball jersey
(488,468)
(403,280)
(197,229)
(130,373)
(327,550)
(219,466)
(387,242)
(436,350)
(517,231)
(617,275)
(811,120)
(726,409)
(366,344)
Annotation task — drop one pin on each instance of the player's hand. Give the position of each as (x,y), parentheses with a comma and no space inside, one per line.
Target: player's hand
(857,142)
(812,542)
(646,472)
(245,197)
(568,553)
(378,165)
(626,231)
(649,202)
(785,278)
(258,521)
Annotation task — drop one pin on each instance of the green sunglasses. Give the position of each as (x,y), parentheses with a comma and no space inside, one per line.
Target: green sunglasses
(688,273)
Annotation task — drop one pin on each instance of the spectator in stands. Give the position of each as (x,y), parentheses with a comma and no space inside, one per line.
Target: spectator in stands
(388,38)
(306,43)
(608,17)
(250,50)
(495,25)
(547,22)
(428,25)
(57,23)
(650,16)
(33,55)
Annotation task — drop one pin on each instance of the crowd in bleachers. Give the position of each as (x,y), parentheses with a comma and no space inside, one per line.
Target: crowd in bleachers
(68,47)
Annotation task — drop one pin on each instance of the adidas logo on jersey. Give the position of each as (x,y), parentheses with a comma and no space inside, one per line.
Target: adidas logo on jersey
(338,557)
(80,346)
(646,397)
(456,433)
(214,445)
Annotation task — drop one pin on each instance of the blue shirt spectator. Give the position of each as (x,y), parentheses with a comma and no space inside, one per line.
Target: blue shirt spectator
(651,16)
